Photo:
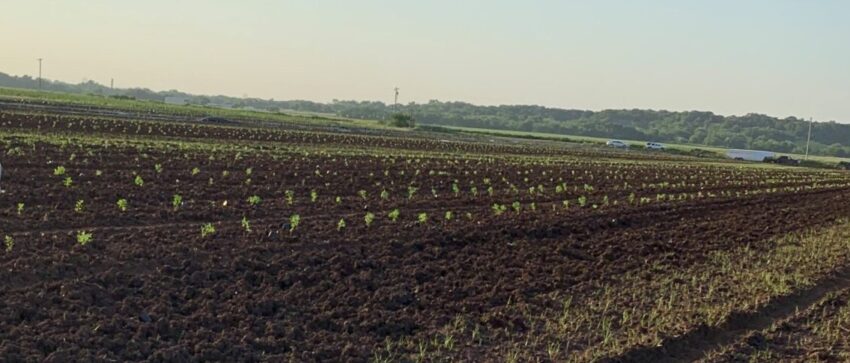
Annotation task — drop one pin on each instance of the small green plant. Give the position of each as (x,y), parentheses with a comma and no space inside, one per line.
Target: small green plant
(176,201)
(246,225)
(195,171)
(9,242)
(207,229)
(517,207)
(582,201)
(385,194)
(20,208)
(158,168)
(411,191)
(254,200)
(59,171)
(338,200)
(290,197)
(83,238)
(449,215)
(340,225)
(294,221)
(98,173)
(498,209)
(139,181)
(422,218)
(80,206)
(362,194)
(68,182)
(313,196)
(122,204)
(393,214)
(369,218)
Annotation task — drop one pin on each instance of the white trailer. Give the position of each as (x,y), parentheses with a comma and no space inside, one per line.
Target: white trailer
(750,155)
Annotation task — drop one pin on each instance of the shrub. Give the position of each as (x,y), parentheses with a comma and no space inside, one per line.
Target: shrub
(401,120)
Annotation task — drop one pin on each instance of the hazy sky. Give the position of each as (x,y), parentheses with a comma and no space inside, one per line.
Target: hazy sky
(731,57)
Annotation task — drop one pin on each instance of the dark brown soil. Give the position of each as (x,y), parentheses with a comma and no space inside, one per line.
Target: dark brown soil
(150,287)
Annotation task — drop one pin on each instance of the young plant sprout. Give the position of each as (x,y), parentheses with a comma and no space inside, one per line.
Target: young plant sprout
(254,200)
(9,242)
(122,204)
(80,206)
(20,208)
(294,221)
(422,218)
(369,218)
(176,201)
(83,238)
(246,225)
(139,181)
(393,214)
(207,229)
(340,225)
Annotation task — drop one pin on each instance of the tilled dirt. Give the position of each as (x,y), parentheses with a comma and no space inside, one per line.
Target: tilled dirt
(150,287)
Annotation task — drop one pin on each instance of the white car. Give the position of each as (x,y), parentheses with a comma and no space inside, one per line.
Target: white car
(654,146)
(617,143)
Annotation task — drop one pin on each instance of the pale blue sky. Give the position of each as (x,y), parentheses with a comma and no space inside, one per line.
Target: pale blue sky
(731,57)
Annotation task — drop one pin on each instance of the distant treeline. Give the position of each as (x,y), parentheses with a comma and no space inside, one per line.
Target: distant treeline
(752,131)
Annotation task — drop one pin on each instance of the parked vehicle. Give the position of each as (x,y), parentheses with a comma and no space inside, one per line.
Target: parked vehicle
(750,155)
(617,144)
(654,146)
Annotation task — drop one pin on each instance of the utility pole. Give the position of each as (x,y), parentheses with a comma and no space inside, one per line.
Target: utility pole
(809,139)
(395,103)
(39,73)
